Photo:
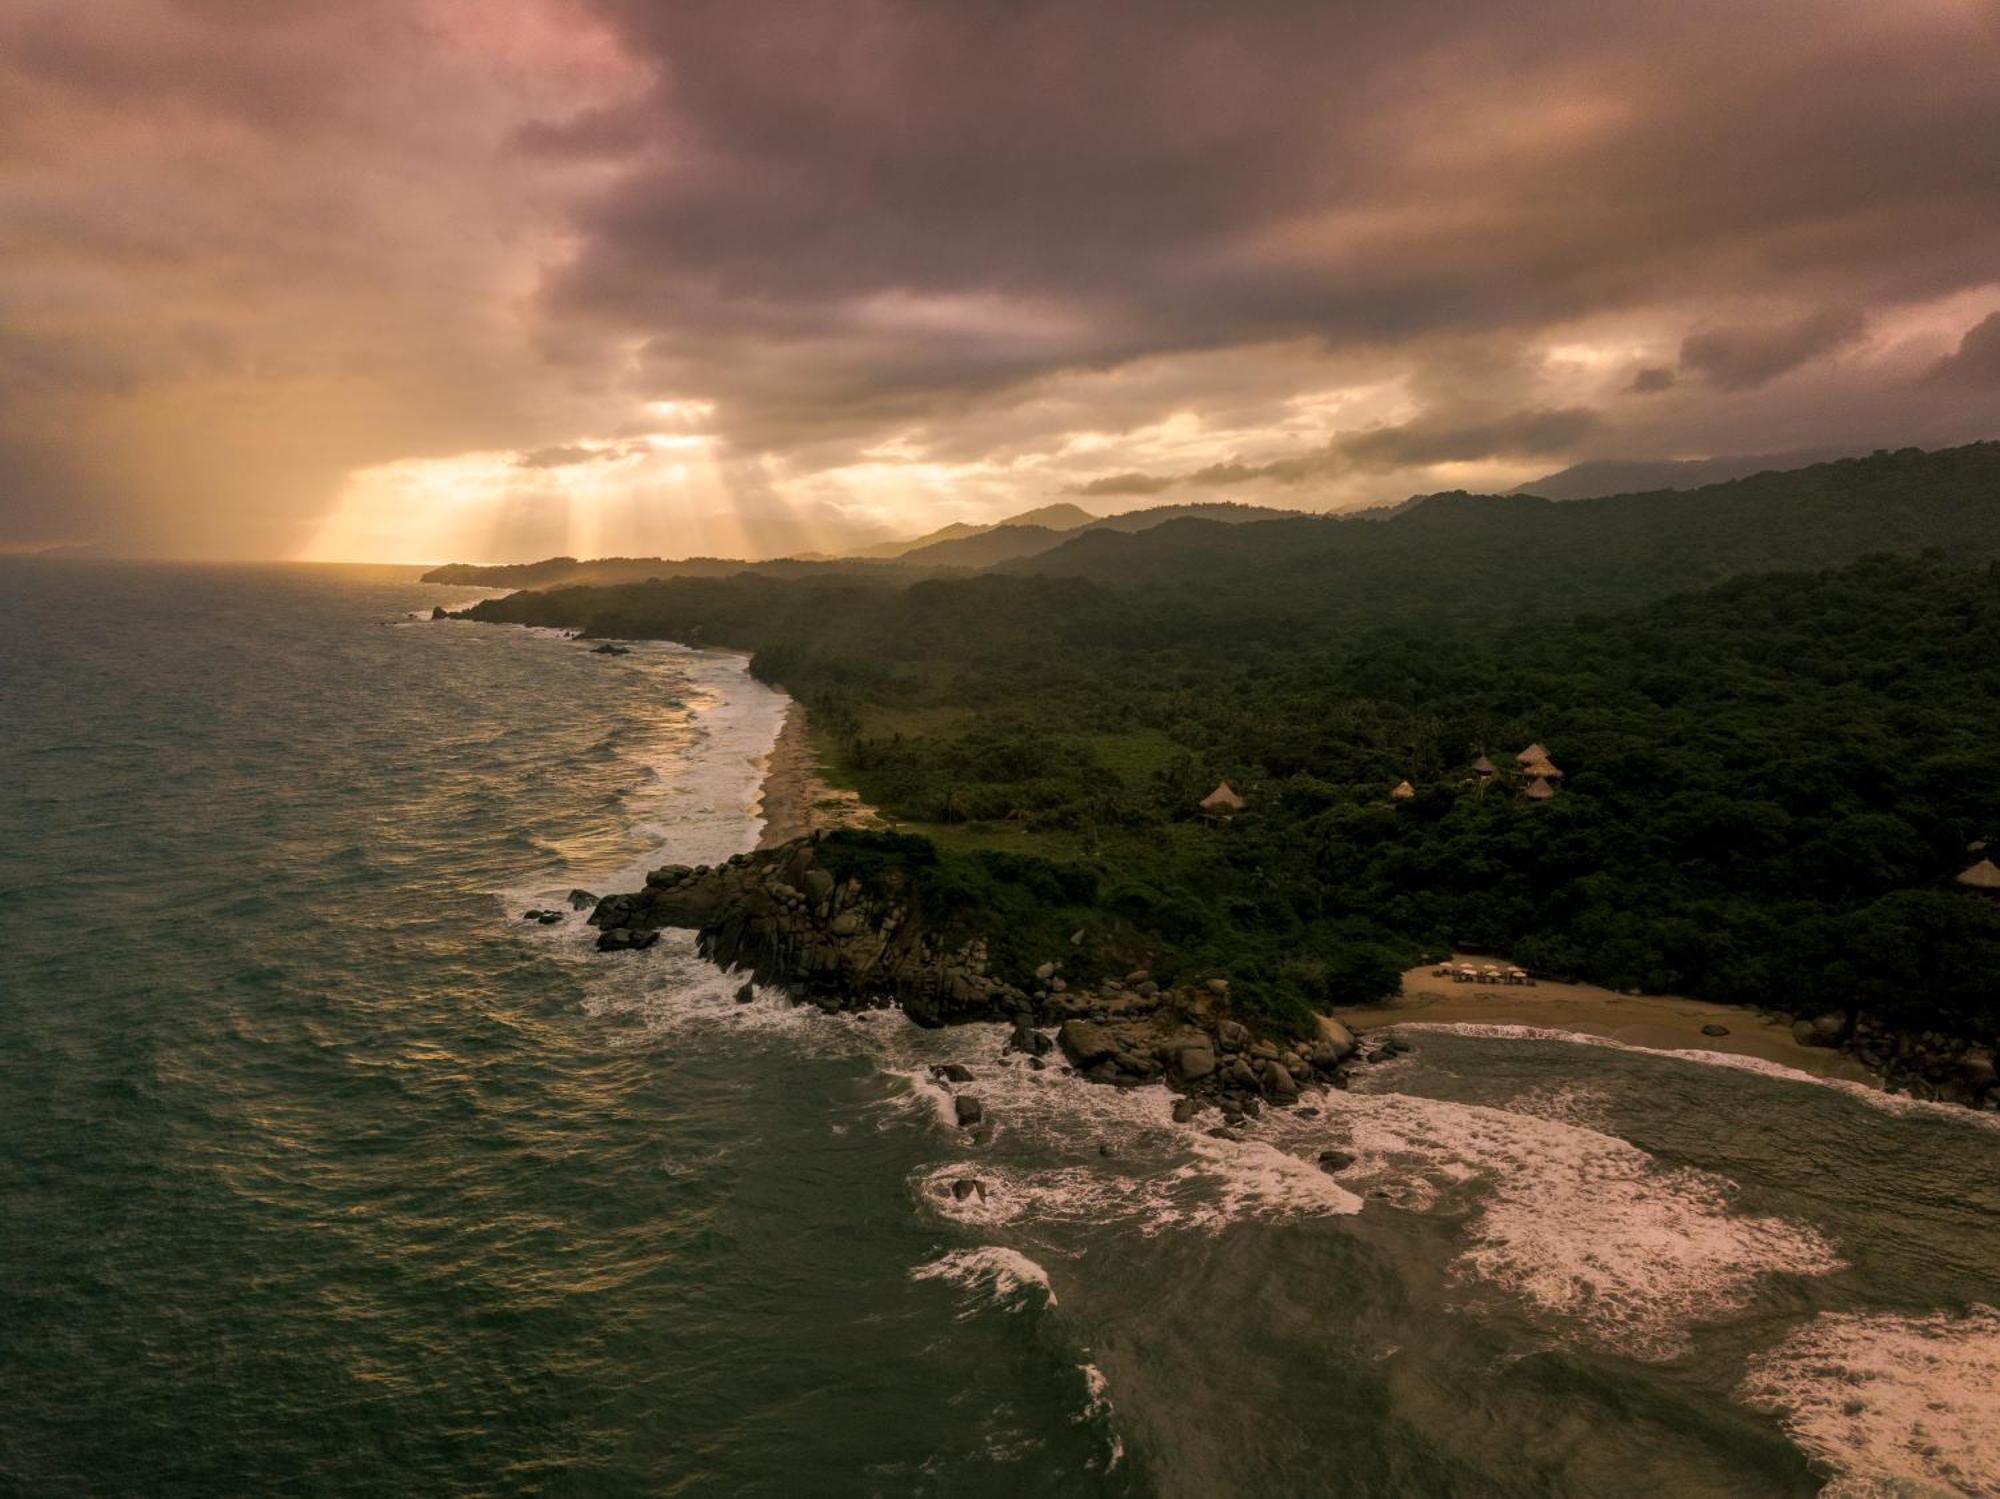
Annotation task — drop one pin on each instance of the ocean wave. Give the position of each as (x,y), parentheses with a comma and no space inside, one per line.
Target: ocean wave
(1892,1405)
(994,1275)
(1138,1165)
(1586,1228)
(1867,1093)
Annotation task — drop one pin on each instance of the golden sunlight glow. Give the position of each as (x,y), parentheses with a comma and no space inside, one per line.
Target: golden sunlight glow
(654,496)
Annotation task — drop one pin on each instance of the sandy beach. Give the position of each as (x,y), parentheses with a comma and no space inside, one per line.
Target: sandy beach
(796,800)
(1663,1022)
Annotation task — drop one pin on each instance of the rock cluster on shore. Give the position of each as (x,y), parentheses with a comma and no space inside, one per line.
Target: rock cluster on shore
(841,945)
(1923,1064)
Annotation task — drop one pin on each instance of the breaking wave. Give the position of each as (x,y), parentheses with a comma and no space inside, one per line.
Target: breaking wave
(995,1276)
(1892,1405)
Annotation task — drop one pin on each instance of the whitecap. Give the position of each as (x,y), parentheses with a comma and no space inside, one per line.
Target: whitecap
(992,1275)
(1892,1405)
(1586,1228)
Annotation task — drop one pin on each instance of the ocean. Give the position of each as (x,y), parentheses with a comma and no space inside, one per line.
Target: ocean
(325,1172)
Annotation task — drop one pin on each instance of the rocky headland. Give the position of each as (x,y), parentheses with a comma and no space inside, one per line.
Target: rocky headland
(781,916)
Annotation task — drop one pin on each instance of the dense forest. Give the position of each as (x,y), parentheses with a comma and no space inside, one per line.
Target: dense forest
(1776,704)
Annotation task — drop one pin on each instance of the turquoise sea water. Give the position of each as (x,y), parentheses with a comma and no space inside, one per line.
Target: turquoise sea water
(325,1173)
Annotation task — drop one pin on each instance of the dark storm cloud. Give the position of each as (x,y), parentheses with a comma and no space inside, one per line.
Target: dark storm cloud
(1977,361)
(989,248)
(1742,358)
(570,455)
(1126,484)
(1139,178)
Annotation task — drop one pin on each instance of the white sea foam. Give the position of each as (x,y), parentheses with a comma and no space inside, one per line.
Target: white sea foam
(993,1275)
(1867,1093)
(1126,1158)
(1892,1405)
(1585,1227)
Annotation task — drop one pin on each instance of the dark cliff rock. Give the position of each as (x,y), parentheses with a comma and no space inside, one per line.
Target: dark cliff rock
(847,944)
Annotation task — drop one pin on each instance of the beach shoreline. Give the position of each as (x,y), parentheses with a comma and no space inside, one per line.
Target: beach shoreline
(795,800)
(1655,1022)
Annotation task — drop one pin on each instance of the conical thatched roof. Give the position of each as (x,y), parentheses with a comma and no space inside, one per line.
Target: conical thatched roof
(1542,770)
(1984,875)
(1532,752)
(1404,791)
(1222,799)
(1482,766)
(1539,791)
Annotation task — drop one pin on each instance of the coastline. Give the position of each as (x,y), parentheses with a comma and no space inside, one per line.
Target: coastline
(1656,1022)
(795,800)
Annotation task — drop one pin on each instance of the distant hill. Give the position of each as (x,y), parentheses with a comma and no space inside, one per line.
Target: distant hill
(1054,518)
(1572,555)
(1022,537)
(958,545)
(1608,476)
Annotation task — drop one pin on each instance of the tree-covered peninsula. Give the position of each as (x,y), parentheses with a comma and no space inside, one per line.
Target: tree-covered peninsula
(1772,710)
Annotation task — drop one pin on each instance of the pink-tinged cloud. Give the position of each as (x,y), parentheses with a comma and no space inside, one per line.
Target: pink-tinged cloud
(910,260)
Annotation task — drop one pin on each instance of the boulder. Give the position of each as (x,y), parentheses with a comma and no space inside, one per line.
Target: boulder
(1239,1075)
(819,885)
(1185,1109)
(1332,1161)
(746,993)
(1195,1062)
(1822,1030)
(968,1186)
(1278,1082)
(1336,1039)
(1712,1029)
(1086,1043)
(846,924)
(581,900)
(968,1110)
(952,1072)
(1233,1035)
(550,918)
(1046,972)
(1029,1041)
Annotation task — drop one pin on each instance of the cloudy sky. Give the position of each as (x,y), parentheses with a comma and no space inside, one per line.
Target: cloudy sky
(411,279)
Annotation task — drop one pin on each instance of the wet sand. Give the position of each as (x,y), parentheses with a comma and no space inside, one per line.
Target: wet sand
(796,800)
(1663,1022)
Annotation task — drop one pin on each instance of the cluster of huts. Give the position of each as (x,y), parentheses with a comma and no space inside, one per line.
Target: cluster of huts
(1540,779)
(1482,973)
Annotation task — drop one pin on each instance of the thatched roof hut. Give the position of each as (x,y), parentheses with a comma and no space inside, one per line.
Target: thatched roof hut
(1532,752)
(1542,770)
(1403,792)
(1222,800)
(1984,875)
(1538,791)
(1482,766)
